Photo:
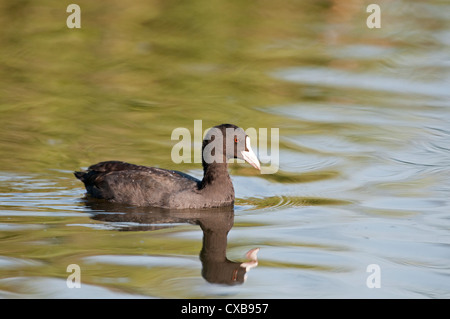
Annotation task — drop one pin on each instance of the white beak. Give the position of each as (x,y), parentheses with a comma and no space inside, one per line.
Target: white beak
(249,156)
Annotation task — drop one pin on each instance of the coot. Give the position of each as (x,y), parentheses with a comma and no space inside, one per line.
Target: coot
(138,185)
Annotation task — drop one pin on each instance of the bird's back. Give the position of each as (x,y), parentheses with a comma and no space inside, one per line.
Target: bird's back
(135,184)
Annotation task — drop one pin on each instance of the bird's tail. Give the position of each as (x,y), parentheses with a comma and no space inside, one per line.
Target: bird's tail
(79,175)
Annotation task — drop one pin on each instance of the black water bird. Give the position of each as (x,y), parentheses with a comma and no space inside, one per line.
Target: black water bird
(126,183)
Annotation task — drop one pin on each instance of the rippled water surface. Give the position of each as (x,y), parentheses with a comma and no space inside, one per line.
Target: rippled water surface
(364,148)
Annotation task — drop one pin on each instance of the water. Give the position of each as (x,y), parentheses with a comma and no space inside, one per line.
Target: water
(364,148)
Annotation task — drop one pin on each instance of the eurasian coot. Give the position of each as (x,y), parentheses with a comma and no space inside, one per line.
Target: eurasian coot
(138,185)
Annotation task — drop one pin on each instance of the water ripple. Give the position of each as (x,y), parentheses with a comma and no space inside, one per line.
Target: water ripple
(281,202)
(320,76)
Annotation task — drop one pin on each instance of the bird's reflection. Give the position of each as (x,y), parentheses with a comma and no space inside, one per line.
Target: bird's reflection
(215,224)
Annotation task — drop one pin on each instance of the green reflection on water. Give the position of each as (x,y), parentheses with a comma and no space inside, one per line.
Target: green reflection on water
(117,87)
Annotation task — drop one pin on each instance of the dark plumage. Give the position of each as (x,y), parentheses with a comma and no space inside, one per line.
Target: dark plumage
(126,183)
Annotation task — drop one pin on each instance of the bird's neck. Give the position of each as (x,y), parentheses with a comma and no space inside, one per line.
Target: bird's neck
(216,174)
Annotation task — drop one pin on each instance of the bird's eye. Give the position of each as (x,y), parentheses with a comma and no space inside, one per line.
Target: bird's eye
(235,139)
